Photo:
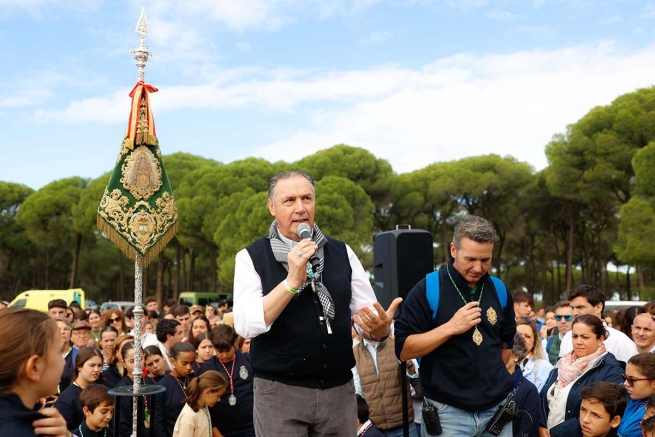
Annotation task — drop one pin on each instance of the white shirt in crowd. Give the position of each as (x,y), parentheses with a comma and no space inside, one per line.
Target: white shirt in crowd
(249,298)
(619,344)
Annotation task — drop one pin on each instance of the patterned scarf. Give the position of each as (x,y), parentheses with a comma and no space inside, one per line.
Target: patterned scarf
(572,366)
(281,250)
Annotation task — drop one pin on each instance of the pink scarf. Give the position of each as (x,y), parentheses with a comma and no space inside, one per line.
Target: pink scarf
(572,366)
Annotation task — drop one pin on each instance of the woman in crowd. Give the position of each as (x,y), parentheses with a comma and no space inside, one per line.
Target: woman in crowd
(203,392)
(95,320)
(68,352)
(640,382)
(114,317)
(536,367)
(210,311)
(170,403)
(108,336)
(155,364)
(32,340)
(243,344)
(198,325)
(204,348)
(126,357)
(526,396)
(588,362)
(114,372)
(88,365)
(232,416)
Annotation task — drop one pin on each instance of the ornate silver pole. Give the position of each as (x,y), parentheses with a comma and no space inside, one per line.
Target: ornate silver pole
(141,52)
(138,318)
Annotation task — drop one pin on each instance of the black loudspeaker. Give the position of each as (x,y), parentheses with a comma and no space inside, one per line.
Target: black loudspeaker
(401,258)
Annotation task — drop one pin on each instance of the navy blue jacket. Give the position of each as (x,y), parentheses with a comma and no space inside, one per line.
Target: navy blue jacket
(169,404)
(527,399)
(233,421)
(572,428)
(84,431)
(458,371)
(607,369)
(110,377)
(125,425)
(68,404)
(15,418)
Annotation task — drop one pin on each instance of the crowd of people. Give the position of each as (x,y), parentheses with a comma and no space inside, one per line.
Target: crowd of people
(308,351)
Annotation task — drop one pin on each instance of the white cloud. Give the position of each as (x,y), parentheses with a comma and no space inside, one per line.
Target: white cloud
(500,15)
(453,107)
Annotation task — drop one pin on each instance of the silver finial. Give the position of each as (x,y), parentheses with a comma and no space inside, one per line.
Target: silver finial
(141,52)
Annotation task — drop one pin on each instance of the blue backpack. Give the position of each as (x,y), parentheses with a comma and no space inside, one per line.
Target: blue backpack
(433,290)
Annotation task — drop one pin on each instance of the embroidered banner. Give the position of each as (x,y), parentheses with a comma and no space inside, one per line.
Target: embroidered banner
(137,211)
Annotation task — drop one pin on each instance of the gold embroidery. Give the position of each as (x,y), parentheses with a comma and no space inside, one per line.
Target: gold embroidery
(492,316)
(141,173)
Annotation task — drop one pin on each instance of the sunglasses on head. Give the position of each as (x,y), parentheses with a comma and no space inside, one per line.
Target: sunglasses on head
(567,318)
(630,382)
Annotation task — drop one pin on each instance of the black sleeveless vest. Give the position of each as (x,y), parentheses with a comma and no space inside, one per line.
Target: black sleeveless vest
(298,350)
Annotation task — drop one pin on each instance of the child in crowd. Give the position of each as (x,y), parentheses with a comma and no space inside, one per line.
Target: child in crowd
(98,408)
(648,427)
(364,426)
(603,405)
(650,407)
(203,392)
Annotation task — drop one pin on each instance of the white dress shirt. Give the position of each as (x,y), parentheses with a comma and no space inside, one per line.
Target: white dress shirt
(249,297)
(619,344)
(147,339)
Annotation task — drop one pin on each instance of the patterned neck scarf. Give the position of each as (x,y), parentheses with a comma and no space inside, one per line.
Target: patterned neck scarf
(281,250)
(572,366)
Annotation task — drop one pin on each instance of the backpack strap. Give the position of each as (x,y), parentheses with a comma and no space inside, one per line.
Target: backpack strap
(432,291)
(501,290)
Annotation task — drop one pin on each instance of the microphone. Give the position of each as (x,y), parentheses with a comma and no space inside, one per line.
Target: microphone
(304,232)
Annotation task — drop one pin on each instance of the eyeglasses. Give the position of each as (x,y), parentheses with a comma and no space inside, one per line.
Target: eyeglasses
(117,319)
(567,318)
(630,382)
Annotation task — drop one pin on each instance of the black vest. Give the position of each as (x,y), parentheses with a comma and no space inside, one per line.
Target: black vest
(298,350)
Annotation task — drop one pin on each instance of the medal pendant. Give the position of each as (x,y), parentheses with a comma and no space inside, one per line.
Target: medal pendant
(492,316)
(232,400)
(146,418)
(243,372)
(477,337)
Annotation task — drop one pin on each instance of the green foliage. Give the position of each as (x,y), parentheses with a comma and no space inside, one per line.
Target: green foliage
(636,233)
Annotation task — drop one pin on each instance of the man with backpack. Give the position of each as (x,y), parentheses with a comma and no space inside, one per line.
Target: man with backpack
(460,320)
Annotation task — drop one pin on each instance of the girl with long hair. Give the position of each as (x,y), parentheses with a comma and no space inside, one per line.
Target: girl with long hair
(108,336)
(204,348)
(30,369)
(114,371)
(535,366)
(203,393)
(126,357)
(68,352)
(199,325)
(95,320)
(88,365)
(170,403)
(155,363)
(640,381)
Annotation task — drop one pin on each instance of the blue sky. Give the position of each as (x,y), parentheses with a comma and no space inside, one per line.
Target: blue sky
(413,81)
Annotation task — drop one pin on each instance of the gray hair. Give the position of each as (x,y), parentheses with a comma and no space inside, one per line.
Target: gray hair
(474,228)
(520,349)
(286,175)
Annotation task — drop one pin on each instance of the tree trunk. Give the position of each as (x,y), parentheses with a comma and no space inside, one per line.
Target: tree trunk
(640,275)
(178,268)
(76,256)
(121,276)
(446,243)
(160,279)
(192,268)
(569,255)
(628,291)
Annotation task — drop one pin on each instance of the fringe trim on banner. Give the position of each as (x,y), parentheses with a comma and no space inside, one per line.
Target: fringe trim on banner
(129,250)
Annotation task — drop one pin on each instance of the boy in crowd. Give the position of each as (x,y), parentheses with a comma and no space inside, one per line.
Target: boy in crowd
(364,426)
(98,408)
(648,427)
(603,405)
(522,305)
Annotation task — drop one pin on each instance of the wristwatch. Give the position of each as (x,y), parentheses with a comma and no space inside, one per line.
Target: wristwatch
(382,339)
